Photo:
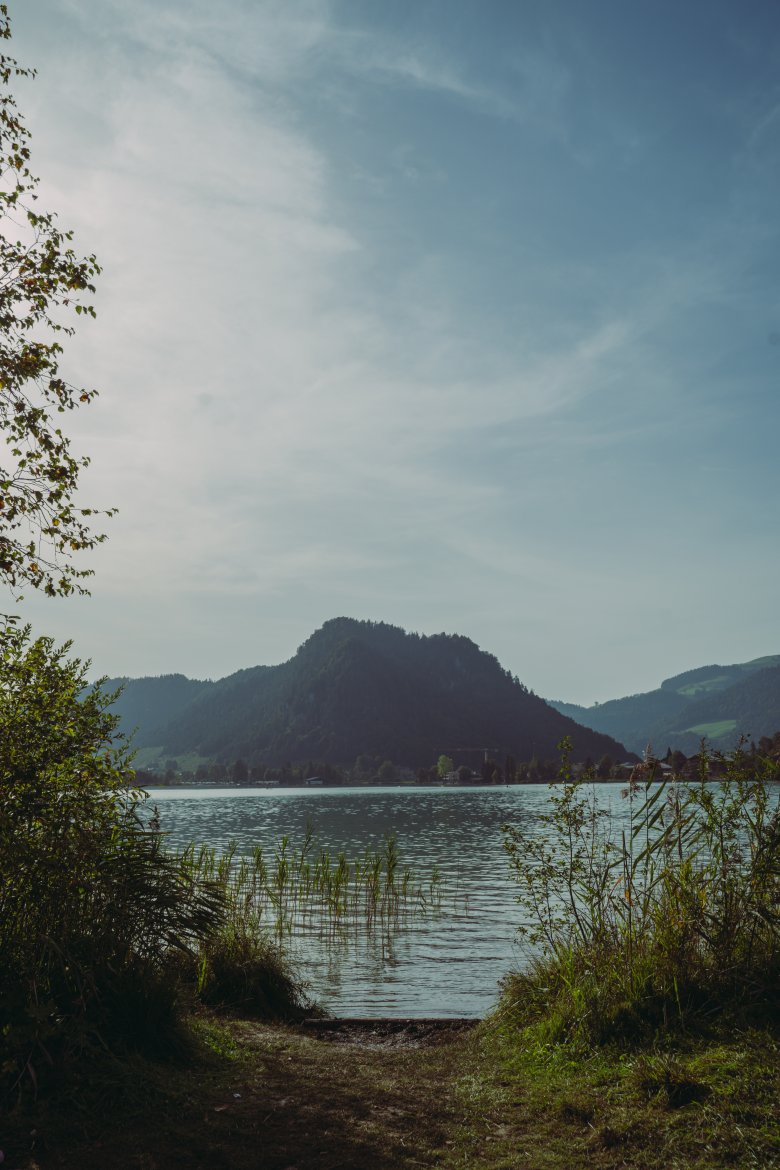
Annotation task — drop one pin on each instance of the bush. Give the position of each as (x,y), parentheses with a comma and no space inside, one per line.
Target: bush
(244,972)
(90,904)
(643,925)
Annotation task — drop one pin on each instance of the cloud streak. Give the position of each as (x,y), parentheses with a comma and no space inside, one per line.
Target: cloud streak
(307,406)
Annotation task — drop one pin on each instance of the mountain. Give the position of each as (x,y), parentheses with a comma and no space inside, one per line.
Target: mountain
(156,701)
(356,688)
(717,702)
(750,707)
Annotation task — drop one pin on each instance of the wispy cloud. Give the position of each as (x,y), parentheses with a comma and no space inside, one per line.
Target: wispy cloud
(537,95)
(765,127)
(307,410)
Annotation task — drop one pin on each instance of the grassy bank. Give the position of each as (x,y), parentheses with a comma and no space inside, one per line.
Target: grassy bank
(644,1031)
(255,1095)
(703,1102)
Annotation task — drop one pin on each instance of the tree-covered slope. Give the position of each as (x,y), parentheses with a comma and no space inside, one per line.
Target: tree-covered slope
(630,720)
(144,703)
(369,688)
(751,707)
(717,702)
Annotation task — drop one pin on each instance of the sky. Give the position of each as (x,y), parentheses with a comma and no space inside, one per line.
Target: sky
(460,316)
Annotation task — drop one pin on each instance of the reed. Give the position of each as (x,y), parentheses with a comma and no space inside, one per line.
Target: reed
(656,919)
(303,889)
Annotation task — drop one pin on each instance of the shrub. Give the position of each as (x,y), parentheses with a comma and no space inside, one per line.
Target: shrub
(242,971)
(91,906)
(639,925)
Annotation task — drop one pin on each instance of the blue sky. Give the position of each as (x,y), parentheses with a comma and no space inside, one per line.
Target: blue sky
(460,316)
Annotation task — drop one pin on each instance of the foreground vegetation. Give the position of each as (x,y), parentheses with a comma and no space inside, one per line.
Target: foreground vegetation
(109,942)
(644,1032)
(647,923)
(106,939)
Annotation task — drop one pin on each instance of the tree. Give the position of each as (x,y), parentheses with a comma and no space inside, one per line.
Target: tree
(365,767)
(445,764)
(604,767)
(677,761)
(491,771)
(240,772)
(91,905)
(388,773)
(43,284)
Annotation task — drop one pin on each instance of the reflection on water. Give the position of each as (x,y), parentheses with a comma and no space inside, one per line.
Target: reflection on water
(448,964)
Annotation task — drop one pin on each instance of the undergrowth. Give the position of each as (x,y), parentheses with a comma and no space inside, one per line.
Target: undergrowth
(107,940)
(656,918)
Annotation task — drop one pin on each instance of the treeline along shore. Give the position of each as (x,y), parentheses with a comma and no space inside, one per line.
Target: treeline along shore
(371,771)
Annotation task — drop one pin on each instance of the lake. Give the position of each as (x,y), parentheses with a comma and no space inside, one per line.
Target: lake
(448,963)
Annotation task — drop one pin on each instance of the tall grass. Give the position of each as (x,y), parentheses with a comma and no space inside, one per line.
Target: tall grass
(658,917)
(243,964)
(308,889)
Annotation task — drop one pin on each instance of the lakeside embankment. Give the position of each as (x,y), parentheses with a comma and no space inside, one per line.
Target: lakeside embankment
(266,1096)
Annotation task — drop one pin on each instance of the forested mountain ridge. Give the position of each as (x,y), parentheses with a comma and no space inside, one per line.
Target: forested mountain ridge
(157,701)
(353,688)
(717,702)
(750,707)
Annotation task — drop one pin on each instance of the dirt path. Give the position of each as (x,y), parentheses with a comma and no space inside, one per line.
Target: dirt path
(345,1095)
(336,1095)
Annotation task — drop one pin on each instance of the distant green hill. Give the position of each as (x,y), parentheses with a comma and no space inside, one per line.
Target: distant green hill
(357,688)
(717,702)
(749,707)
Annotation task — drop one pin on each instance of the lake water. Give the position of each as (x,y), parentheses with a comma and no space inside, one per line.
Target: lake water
(444,964)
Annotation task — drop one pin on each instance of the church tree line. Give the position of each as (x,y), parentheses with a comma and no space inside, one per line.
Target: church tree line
(373,770)
(366,770)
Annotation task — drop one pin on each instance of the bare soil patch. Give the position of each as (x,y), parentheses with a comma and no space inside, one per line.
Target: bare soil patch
(337,1095)
(387,1033)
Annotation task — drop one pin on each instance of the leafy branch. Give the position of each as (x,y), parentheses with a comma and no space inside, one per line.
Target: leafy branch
(43,285)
